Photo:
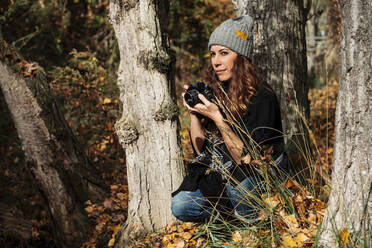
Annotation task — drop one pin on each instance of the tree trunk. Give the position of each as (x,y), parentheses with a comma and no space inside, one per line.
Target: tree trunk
(148,128)
(280,53)
(65,176)
(350,203)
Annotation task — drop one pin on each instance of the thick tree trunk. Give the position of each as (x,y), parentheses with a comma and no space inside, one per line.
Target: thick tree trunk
(350,203)
(65,176)
(148,128)
(280,52)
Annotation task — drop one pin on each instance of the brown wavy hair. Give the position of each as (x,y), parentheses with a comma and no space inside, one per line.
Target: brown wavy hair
(234,96)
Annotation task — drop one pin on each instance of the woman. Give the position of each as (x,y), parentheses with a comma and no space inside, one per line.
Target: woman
(226,132)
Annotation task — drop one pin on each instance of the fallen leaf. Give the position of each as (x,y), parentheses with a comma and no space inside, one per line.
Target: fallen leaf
(272,202)
(187,235)
(288,241)
(121,196)
(187,225)
(114,187)
(179,243)
(108,203)
(344,236)
(107,101)
(89,209)
(301,237)
(111,242)
(289,184)
(237,237)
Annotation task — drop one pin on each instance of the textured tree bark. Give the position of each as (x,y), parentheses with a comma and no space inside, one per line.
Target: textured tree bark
(65,176)
(280,52)
(148,128)
(350,203)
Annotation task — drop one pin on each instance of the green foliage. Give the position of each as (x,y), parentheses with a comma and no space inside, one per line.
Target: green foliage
(47,30)
(91,106)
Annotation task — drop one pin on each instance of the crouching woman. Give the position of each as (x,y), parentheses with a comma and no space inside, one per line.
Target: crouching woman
(242,118)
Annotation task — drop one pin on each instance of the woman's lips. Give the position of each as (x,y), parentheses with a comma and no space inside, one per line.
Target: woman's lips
(220,71)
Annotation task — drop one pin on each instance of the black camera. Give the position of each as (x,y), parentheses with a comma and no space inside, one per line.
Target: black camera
(191,95)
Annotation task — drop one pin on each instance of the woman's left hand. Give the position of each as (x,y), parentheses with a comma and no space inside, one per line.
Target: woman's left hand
(208,109)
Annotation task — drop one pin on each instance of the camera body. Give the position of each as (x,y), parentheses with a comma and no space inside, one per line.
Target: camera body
(191,95)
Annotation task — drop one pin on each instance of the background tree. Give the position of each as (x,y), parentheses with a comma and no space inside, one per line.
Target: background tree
(64,174)
(148,126)
(280,52)
(350,203)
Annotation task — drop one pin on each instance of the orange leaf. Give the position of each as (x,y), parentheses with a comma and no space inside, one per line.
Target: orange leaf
(344,235)
(289,183)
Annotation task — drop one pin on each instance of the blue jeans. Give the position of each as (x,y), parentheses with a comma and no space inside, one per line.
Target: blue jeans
(194,207)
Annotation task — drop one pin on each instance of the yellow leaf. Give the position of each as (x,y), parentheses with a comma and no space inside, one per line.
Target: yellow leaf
(237,237)
(288,241)
(121,196)
(89,209)
(344,235)
(187,235)
(187,225)
(114,187)
(291,222)
(111,242)
(301,237)
(107,101)
(290,219)
(26,74)
(271,202)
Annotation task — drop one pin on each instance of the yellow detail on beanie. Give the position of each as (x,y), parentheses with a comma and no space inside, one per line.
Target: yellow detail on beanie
(241,34)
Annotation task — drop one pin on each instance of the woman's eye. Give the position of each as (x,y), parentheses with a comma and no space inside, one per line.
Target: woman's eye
(224,53)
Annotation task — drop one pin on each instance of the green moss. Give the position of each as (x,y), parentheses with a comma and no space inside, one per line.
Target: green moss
(159,61)
(167,111)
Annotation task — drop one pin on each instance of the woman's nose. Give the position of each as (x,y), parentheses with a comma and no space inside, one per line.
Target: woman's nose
(216,61)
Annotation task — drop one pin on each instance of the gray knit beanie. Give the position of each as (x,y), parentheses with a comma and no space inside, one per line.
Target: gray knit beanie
(235,34)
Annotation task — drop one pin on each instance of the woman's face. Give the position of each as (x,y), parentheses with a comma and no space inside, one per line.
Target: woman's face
(222,59)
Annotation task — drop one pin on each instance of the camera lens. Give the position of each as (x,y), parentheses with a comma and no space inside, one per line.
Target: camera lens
(191,97)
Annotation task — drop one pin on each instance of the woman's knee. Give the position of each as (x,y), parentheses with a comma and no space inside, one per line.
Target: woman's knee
(178,206)
(188,206)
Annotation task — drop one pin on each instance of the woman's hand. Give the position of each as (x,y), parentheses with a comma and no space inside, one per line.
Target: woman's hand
(206,108)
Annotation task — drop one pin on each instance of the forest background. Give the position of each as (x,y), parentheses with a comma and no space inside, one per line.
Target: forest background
(75,44)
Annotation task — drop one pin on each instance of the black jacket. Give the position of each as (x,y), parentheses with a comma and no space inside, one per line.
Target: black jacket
(260,126)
